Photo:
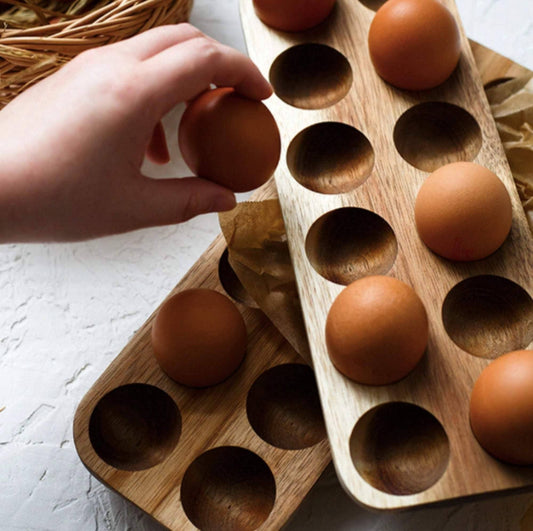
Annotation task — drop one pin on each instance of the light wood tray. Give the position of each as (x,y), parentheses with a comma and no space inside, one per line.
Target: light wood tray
(212,418)
(128,435)
(409,443)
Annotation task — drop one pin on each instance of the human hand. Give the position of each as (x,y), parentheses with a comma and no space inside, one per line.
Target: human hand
(72,145)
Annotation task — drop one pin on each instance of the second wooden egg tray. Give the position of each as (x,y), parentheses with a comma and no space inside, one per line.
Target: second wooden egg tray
(239,455)
(356,151)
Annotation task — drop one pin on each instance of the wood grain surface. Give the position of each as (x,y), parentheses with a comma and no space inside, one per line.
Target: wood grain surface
(122,432)
(425,452)
(150,431)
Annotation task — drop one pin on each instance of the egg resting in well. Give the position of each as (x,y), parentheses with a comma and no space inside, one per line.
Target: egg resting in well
(199,337)
(229,139)
(376,330)
(501,408)
(293,15)
(414,44)
(463,212)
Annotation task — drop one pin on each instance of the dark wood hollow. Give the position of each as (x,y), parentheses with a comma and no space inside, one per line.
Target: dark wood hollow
(349,243)
(488,315)
(284,409)
(228,488)
(231,283)
(330,158)
(496,82)
(399,448)
(374,5)
(311,76)
(135,427)
(432,134)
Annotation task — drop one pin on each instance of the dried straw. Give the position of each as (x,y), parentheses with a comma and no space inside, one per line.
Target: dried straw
(39,36)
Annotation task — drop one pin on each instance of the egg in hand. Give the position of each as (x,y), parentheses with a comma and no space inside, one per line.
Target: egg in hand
(229,139)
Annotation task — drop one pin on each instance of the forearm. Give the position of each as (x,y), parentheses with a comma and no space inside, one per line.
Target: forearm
(14,210)
(26,201)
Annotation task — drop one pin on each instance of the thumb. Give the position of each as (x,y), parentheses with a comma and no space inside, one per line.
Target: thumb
(167,201)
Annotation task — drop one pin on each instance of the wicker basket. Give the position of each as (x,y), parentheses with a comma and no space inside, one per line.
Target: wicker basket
(39,36)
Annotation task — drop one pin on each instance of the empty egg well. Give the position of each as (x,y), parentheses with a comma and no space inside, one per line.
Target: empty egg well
(311,76)
(496,82)
(399,448)
(228,488)
(284,408)
(488,315)
(349,243)
(432,134)
(135,427)
(231,283)
(330,158)
(374,5)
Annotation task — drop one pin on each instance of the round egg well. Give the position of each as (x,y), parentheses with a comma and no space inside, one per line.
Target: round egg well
(330,158)
(135,426)
(311,76)
(497,81)
(399,448)
(349,243)
(488,315)
(374,5)
(284,409)
(431,134)
(228,488)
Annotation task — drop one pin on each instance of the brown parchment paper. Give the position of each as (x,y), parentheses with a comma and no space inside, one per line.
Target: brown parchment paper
(257,243)
(259,255)
(512,107)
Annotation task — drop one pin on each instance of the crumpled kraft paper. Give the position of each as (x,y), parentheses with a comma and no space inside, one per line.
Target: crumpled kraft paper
(512,107)
(259,255)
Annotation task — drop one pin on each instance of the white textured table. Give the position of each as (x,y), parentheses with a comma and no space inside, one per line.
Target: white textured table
(67,310)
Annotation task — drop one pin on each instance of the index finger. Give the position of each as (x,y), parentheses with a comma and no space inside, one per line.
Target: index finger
(150,42)
(181,72)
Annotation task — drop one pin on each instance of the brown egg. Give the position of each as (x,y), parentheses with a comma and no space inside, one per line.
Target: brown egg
(376,330)
(463,212)
(414,44)
(199,337)
(293,15)
(229,139)
(501,408)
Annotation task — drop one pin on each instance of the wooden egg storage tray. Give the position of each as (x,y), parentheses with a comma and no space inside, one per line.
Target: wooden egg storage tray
(190,457)
(212,418)
(347,196)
